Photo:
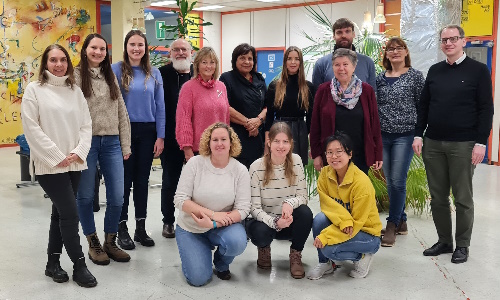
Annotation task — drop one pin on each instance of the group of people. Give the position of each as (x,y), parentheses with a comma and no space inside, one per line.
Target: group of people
(233,151)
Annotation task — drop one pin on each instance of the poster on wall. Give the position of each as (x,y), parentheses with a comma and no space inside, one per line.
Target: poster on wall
(269,63)
(28,27)
(477,17)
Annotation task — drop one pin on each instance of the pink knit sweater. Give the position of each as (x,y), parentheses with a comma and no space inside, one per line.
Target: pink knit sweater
(198,108)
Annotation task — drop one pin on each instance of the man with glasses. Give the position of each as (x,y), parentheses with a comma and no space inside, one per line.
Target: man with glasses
(343,34)
(456,112)
(174,75)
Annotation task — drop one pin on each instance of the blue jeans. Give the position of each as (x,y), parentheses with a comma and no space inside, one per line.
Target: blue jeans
(195,250)
(107,150)
(352,249)
(398,154)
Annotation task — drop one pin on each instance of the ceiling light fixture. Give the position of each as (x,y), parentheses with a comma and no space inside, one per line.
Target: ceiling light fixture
(380,14)
(163,3)
(209,7)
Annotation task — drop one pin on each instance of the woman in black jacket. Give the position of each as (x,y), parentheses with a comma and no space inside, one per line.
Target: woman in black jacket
(246,90)
(289,99)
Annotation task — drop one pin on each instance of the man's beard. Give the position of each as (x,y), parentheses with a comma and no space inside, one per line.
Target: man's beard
(181,64)
(342,45)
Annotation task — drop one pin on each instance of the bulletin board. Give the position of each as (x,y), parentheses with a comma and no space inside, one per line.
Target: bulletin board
(477,17)
(269,62)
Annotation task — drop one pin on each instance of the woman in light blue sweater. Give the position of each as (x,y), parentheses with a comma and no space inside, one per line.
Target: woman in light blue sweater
(141,87)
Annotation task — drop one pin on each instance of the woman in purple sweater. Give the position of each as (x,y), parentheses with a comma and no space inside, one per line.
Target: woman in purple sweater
(346,104)
(202,102)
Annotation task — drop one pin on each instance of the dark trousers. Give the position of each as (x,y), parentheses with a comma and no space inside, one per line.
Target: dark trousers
(138,167)
(61,189)
(262,235)
(172,160)
(300,137)
(449,164)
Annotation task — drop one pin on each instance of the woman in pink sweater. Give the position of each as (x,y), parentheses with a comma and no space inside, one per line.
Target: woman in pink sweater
(202,102)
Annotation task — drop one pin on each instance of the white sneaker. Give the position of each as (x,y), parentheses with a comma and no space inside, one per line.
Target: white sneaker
(320,270)
(362,266)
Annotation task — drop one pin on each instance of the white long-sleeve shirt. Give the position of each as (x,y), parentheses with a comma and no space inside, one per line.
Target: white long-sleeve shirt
(56,123)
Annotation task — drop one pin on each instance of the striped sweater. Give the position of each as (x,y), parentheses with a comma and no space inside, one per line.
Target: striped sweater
(267,201)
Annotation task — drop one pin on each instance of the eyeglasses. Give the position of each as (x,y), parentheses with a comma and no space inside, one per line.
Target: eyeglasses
(334,153)
(398,49)
(452,39)
(179,50)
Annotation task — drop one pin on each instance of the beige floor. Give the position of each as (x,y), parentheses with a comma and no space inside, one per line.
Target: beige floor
(400,272)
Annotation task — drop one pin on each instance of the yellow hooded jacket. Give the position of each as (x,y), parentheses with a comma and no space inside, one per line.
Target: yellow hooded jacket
(352,203)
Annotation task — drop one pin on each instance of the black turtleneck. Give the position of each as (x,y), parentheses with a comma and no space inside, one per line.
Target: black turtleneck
(291,107)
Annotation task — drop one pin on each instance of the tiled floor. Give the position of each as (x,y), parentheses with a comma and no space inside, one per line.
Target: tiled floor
(400,272)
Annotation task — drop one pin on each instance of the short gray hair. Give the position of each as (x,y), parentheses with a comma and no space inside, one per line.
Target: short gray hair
(461,31)
(342,52)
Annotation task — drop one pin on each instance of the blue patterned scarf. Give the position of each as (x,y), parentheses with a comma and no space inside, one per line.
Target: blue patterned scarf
(348,97)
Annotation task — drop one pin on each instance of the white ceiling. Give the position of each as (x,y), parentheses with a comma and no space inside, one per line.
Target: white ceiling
(232,5)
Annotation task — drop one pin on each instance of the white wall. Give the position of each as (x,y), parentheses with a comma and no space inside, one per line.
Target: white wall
(282,27)
(496,102)
(212,33)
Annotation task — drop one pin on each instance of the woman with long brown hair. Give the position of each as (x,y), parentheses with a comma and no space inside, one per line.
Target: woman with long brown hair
(141,87)
(110,147)
(290,99)
(58,128)
(279,200)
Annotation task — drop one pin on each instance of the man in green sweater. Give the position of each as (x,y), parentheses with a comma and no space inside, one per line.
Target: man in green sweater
(456,112)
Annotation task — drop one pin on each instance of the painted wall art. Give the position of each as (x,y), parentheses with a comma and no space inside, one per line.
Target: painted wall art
(27,27)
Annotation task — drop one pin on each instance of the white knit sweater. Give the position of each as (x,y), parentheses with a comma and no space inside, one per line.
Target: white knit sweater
(56,123)
(224,189)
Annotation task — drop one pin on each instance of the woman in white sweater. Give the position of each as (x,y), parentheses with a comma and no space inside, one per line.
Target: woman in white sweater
(110,147)
(279,200)
(213,195)
(58,128)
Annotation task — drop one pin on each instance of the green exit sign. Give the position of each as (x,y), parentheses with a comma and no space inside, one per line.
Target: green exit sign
(160,32)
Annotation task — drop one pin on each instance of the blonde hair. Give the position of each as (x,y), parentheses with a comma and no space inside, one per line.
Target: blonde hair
(202,54)
(277,128)
(281,83)
(234,149)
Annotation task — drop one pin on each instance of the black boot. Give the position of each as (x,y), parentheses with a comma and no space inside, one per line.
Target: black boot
(124,239)
(140,234)
(82,275)
(54,270)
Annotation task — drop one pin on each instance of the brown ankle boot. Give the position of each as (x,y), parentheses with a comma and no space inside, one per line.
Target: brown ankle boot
(296,267)
(96,254)
(112,249)
(389,238)
(402,228)
(264,259)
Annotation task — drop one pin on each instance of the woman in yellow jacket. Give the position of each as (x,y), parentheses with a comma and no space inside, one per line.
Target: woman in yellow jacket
(348,226)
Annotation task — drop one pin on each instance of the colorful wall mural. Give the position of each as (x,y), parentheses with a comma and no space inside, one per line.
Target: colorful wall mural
(27,27)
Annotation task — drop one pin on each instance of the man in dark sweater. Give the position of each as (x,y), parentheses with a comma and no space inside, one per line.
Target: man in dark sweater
(456,112)
(174,76)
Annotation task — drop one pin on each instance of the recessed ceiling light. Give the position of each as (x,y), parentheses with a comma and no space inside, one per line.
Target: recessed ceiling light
(210,7)
(268,0)
(163,3)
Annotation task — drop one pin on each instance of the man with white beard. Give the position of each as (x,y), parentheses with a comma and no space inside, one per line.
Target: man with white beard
(174,76)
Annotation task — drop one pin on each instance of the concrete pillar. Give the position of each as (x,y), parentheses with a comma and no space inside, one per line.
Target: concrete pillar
(122,13)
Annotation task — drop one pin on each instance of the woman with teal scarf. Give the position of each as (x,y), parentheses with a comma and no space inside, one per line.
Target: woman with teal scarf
(349,105)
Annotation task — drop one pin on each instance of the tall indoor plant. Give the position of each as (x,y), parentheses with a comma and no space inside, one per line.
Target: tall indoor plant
(372,45)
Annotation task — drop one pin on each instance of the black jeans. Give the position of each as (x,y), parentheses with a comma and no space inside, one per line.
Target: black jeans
(61,189)
(138,167)
(262,235)
(172,160)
